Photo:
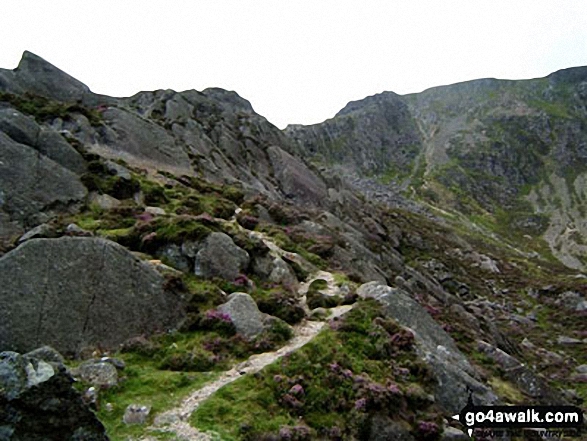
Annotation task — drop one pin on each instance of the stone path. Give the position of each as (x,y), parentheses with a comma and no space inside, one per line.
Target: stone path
(176,420)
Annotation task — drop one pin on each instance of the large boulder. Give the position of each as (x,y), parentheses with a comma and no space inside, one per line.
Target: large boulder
(453,372)
(77,292)
(219,256)
(38,402)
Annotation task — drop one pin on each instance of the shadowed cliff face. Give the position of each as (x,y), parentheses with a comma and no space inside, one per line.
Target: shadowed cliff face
(513,153)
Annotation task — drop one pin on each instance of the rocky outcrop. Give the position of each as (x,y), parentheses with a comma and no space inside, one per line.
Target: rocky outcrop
(453,372)
(74,292)
(38,402)
(515,149)
(33,185)
(374,135)
(37,76)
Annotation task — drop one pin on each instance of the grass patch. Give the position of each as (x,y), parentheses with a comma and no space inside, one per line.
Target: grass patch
(145,384)
(43,109)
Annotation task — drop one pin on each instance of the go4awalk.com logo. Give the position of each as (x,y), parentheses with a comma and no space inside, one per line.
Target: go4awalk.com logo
(547,418)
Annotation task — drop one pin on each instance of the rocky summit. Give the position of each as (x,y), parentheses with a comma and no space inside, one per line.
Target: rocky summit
(173,266)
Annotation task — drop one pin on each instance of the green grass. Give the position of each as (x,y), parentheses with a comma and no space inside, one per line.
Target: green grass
(145,385)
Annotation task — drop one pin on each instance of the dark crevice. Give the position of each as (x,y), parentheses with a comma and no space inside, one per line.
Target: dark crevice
(99,271)
(44,288)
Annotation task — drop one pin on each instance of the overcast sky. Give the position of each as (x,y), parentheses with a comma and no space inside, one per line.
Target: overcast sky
(296,61)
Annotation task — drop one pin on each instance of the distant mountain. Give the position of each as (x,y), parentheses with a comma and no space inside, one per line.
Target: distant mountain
(511,155)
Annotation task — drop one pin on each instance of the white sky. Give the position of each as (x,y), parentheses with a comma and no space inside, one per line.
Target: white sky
(296,61)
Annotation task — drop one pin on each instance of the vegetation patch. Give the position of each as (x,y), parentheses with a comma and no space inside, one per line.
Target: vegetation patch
(43,109)
(363,365)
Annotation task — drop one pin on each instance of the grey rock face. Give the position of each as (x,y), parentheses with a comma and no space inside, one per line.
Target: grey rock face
(522,376)
(25,130)
(31,183)
(39,403)
(220,257)
(451,368)
(370,135)
(140,141)
(55,147)
(295,179)
(22,129)
(245,314)
(73,293)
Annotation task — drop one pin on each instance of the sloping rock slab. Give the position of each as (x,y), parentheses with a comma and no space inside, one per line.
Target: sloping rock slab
(73,292)
(453,372)
(295,179)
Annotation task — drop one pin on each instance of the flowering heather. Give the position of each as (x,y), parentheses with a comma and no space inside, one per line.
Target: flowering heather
(297,389)
(361,405)
(428,430)
(144,217)
(213,314)
(241,280)
(295,433)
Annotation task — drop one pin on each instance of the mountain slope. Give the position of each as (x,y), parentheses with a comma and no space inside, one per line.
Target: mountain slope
(510,153)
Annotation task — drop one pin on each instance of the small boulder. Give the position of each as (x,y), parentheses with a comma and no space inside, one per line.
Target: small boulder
(453,434)
(220,257)
(245,314)
(43,230)
(282,274)
(118,170)
(136,414)
(48,354)
(104,201)
(155,211)
(98,373)
(77,231)
(564,340)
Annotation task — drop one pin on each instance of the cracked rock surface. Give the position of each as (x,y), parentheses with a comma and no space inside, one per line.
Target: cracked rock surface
(73,293)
